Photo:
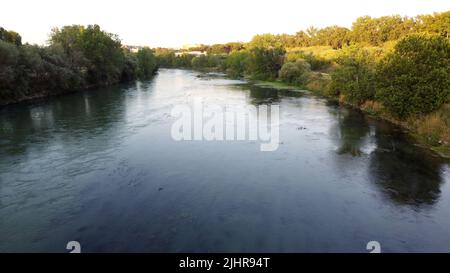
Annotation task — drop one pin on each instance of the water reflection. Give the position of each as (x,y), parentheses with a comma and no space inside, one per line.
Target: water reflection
(352,131)
(264,95)
(405,173)
(260,96)
(64,119)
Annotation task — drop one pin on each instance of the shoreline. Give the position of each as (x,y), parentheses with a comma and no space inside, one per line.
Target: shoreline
(44,96)
(441,150)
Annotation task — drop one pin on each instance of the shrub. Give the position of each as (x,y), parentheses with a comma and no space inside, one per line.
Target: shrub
(236,63)
(435,127)
(317,62)
(206,61)
(295,72)
(146,63)
(354,77)
(415,78)
(264,63)
(8,60)
(319,82)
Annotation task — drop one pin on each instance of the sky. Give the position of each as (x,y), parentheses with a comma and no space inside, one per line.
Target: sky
(173,23)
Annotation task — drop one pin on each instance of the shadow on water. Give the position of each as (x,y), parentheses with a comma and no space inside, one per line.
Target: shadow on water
(405,173)
(352,131)
(264,95)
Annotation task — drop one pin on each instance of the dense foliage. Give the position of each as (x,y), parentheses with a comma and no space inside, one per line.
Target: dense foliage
(146,63)
(295,72)
(76,57)
(379,59)
(415,78)
(235,63)
(355,76)
(264,63)
(10,36)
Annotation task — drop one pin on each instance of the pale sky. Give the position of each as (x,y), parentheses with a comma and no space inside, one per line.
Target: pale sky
(172,23)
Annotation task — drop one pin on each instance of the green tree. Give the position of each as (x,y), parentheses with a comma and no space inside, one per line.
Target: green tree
(415,78)
(333,36)
(236,63)
(165,57)
(10,37)
(264,63)
(146,63)
(102,50)
(354,77)
(301,39)
(206,61)
(224,48)
(266,40)
(183,60)
(77,57)
(8,61)
(130,66)
(295,72)
(438,23)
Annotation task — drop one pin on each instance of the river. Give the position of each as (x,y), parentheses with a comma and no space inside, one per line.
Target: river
(100,167)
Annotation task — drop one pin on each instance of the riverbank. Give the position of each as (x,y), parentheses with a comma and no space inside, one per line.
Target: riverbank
(68,64)
(47,95)
(431,131)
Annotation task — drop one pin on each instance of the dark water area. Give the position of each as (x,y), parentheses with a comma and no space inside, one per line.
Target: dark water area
(100,167)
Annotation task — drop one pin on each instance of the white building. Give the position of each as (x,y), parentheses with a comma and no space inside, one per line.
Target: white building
(195,53)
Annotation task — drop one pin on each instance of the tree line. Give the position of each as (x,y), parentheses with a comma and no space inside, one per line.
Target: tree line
(76,57)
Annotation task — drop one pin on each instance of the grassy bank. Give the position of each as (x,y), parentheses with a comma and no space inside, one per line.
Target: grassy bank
(430,130)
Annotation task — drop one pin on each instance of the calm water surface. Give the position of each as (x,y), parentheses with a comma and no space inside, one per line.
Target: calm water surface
(100,167)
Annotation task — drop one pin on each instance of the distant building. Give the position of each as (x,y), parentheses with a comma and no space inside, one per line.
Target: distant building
(195,53)
(132,49)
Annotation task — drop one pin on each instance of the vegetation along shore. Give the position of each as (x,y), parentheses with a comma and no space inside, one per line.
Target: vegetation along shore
(75,58)
(392,67)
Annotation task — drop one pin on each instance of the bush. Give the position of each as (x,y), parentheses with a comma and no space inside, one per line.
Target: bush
(184,61)
(354,77)
(264,63)
(295,72)
(415,78)
(130,67)
(206,61)
(435,127)
(316,62)
(8,60)
(102,50)
(146,63)
(236,62)
(319,82)
(165,57)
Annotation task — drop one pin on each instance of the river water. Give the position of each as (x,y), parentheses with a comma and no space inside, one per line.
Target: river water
(100,167)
